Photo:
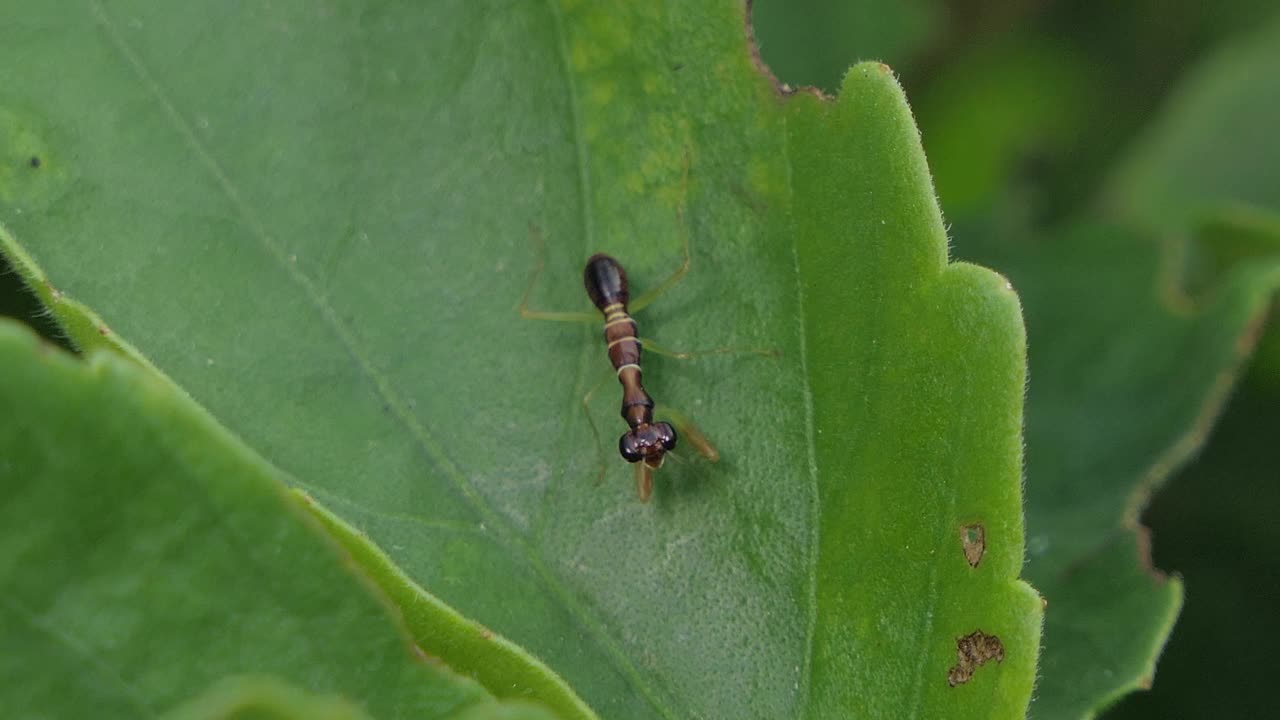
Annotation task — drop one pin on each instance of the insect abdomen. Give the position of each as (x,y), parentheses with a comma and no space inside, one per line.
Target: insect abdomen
(606,282)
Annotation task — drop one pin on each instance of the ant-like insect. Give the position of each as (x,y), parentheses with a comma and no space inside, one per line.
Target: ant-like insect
(647,442)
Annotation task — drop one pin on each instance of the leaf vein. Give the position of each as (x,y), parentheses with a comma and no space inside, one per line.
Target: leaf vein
(815,517)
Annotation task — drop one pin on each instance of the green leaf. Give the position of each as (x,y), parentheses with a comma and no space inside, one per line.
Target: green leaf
(1212,146)
(1235,237)
(1216,524)
(467,646)
(319,225)
(1135,346)
(1211,159)
(916,406)
(1128,375)
(150,562)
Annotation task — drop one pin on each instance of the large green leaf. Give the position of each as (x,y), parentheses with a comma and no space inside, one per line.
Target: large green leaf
(318,224)
(149,562)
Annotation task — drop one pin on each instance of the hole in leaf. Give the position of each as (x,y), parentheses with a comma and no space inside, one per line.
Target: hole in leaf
(973,651)
(973,538)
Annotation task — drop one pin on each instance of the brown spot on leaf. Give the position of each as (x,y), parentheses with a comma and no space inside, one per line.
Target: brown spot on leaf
(486,633)
(973,651)
(973,538)
(103,330)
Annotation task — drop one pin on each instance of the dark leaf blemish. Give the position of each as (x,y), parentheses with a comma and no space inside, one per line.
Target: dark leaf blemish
(973,651)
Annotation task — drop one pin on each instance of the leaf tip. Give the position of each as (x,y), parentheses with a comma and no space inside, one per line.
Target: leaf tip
(872,76)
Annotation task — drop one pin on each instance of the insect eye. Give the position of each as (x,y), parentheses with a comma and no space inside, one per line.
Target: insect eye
(628,448)
(666,435)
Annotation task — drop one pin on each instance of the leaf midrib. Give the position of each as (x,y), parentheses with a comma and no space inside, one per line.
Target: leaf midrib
(811,620)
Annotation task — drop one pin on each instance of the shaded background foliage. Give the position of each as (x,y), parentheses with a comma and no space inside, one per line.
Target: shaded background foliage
(1026,109)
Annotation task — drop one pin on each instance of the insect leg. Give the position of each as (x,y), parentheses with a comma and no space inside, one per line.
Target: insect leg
(688,432)
(644,481)
(535,236)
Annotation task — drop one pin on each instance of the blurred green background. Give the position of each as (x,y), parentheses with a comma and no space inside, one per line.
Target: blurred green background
(1031,113)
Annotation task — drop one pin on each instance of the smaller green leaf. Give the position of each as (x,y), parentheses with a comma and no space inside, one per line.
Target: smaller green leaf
(148,559)
(1217,525)
(1210,164)
(1228,239)
(1235,237)
(1214,144)
(265,698)
(467,646)
(81,327)
(1106,624)
(268,699)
